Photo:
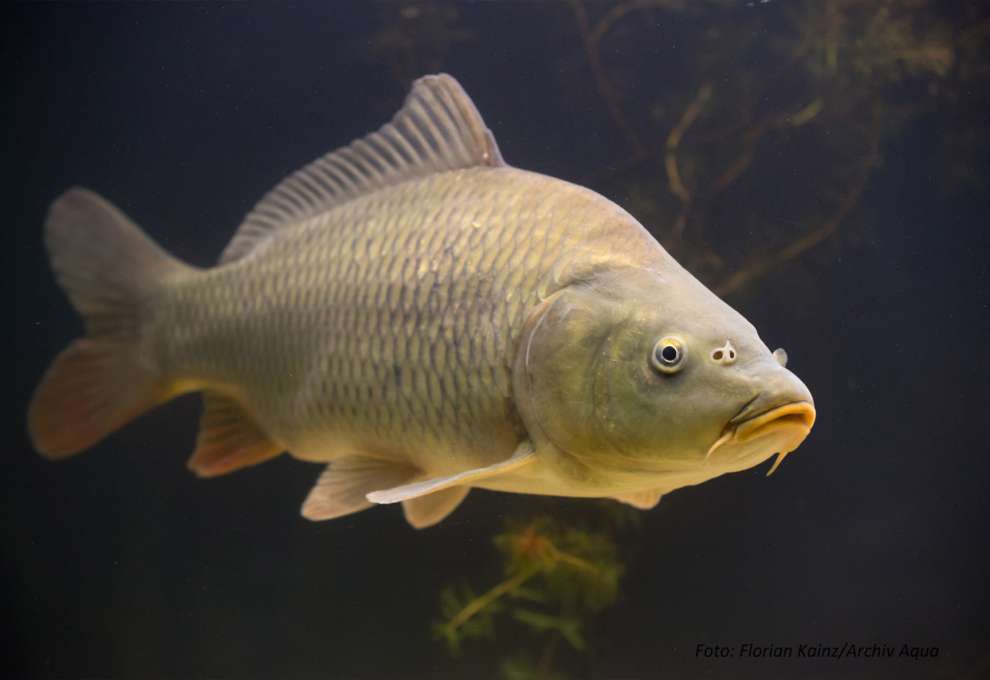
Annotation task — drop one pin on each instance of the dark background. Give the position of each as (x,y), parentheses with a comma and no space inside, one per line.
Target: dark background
(119,564)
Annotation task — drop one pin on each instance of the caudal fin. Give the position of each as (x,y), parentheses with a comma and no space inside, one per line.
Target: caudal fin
(109,270)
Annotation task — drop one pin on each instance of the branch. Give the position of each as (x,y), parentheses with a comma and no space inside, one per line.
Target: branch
(601,80)
(759,267)
(753,136)
(482,601)
(690,115)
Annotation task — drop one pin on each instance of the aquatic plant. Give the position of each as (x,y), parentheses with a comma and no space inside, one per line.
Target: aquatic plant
(846,75)
(555,579)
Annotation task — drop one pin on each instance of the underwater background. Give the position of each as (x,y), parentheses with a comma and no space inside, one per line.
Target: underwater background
(822,165)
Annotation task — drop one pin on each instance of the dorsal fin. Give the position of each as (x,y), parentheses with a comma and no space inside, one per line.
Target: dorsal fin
(437,129)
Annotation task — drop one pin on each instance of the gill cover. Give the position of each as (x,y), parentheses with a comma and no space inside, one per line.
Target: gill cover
(564,353)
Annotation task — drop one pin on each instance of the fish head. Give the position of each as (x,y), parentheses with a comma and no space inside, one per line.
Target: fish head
(642,373)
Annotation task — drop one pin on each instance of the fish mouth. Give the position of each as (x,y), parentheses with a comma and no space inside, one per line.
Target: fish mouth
(797,414)
(779,430)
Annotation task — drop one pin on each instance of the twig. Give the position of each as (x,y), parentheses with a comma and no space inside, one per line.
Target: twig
(810,37)
(690,114)
(573,561)
(804,116)
(741,164)
(760,267)
(753,136)
(601,80)
(482,601)
(674,178)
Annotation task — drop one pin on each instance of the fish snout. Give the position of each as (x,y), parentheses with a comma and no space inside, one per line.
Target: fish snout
(776,420)
(781,389)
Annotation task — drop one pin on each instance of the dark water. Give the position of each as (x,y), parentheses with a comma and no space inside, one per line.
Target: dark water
(120,564)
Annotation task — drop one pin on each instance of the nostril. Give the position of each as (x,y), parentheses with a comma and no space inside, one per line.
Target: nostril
(725,355)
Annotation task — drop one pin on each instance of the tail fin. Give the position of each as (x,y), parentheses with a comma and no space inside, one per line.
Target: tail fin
(108,268)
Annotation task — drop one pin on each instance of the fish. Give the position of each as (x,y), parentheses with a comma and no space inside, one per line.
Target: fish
(420,318)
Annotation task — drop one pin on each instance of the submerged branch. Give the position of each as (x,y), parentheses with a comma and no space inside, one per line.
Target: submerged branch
(482,601)
(674,179)
(760,267)
(690,115)
(591,48)
(753,136)
(574,562)
(741,164)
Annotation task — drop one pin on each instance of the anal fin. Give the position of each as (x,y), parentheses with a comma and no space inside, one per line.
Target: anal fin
(344,485)
(431,509)
(228,439)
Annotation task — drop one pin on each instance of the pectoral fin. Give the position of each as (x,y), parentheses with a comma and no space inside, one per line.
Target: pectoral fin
(342,487)
(523,456)
(431,509)
(643,500)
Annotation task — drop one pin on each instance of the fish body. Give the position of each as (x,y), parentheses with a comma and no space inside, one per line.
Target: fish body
(424,319)
(390,324)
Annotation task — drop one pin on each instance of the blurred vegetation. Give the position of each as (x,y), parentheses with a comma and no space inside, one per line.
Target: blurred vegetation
(762,150)
(555,578)
(744,135)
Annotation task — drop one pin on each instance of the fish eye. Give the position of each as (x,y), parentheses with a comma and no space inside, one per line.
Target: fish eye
(668,354)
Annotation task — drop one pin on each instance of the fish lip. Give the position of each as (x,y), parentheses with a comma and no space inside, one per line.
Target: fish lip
(745,426)
(797,413)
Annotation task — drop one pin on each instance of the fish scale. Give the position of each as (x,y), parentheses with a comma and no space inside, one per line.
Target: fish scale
(313,390)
